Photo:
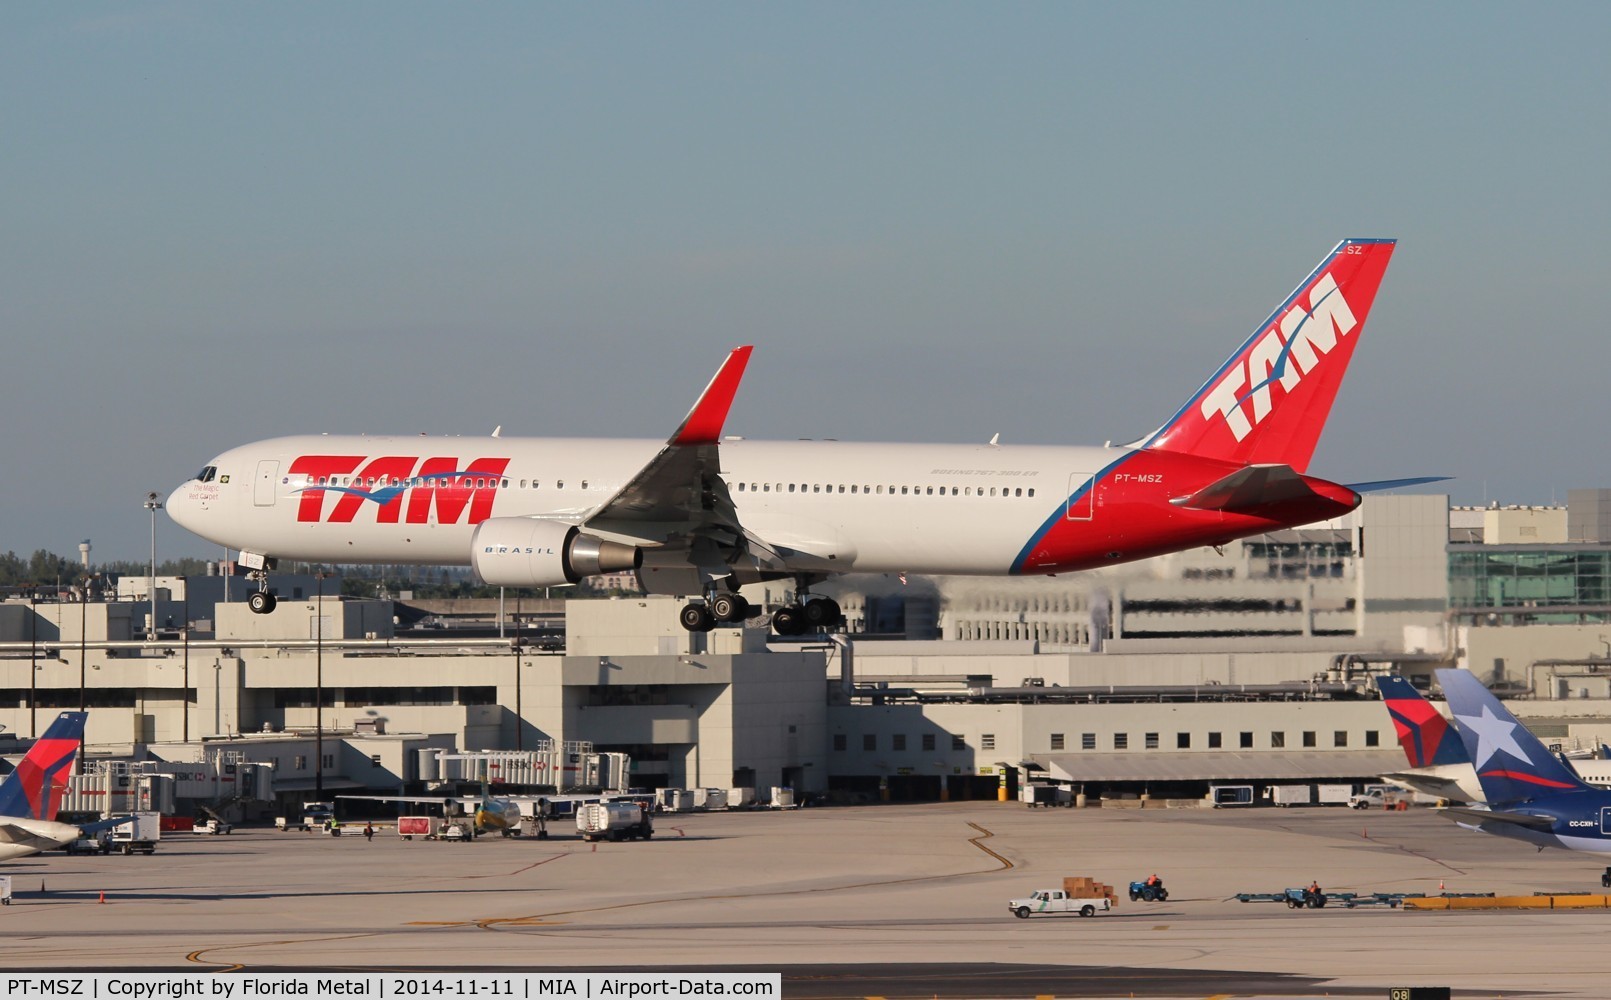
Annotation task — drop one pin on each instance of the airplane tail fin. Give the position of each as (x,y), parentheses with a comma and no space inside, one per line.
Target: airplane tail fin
(1268,403)
(1511,764)
(35,789)
(1426,736)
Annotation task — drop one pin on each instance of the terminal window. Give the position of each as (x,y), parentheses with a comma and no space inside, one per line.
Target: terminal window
(1278,740)
(958,743)
(900,741)
(1121,741)
(869,741)
(1247,741)
(928,741)
(1339,738)
(1057,741)
(1373,738)
(1213,741)
(1183,741)
(987,741)
(1308,738)
(1152,741)
(1087,741)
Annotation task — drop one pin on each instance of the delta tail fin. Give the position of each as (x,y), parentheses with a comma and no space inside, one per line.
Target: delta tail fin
(35,789)
(1511,763)
(1268,403)
(1428,739)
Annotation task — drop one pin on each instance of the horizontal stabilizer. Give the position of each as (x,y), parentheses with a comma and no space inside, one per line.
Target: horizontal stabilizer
(1529,820)
(1396,484)
(1260,486)
(91,829)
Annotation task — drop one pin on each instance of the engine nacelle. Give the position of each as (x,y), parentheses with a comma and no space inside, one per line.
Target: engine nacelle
(526,552)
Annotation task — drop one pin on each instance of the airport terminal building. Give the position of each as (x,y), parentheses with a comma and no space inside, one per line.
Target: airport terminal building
(1247,664)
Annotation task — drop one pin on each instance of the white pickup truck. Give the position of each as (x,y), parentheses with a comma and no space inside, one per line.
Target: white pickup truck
(1379,797)
(1058,901)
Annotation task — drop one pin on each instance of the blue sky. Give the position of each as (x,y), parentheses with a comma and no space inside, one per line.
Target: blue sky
(936,222)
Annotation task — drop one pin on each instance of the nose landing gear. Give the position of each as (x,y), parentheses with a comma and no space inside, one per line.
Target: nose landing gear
(261,601)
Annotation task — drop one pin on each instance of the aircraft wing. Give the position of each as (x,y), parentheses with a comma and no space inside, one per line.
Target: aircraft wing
(680,492)
(1480,816)
(418,800)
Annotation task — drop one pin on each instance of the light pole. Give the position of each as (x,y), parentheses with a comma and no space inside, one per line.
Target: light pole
(153,504)
(318,690)
(184,688)
(33,665)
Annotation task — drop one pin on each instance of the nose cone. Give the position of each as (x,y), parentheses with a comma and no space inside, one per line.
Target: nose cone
(181,509)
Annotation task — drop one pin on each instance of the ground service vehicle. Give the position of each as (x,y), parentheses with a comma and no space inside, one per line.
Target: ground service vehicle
(1058,901)
(140,834)
(1151,893)
(614,821)
(1379,796)
(1079,894)
(212,826)
(1045,795)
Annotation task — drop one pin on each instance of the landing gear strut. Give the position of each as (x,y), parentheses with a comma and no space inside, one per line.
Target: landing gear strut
(261,601)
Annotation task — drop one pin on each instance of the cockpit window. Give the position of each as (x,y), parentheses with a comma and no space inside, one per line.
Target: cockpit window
(207,475)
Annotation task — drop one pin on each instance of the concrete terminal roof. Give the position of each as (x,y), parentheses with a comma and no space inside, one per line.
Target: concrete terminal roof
(1223,766)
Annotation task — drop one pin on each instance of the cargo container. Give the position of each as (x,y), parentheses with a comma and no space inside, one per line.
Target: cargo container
(614,821)
(1292,795)
(409,827)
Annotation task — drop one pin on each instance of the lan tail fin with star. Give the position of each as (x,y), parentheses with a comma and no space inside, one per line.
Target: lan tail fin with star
(1511,764)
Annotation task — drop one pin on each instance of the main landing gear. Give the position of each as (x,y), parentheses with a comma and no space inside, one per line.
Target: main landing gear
(810,614)
(718,608)
(815,615)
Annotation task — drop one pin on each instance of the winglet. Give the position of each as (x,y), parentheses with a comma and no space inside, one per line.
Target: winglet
(703,425)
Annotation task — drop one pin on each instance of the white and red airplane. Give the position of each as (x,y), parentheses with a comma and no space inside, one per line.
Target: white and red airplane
(702,515)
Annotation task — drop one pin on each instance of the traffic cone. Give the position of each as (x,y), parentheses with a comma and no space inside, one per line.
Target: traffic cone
(103,895)
(1440,885)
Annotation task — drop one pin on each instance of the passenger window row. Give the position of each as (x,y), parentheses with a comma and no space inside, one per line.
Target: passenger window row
(863,490)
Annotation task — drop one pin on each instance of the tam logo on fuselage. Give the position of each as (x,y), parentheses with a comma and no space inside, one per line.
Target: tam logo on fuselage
(1288,350)
(403,488)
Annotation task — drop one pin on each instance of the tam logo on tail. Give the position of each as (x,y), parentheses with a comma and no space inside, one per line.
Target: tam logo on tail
(1269,401)
(1281,357)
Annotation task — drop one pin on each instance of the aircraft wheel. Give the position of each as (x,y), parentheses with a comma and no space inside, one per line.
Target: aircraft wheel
(262,602)
(729,607)
(696,618)
(823,612)
(788,621)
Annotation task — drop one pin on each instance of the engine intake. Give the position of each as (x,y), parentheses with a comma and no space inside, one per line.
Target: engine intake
(526,552)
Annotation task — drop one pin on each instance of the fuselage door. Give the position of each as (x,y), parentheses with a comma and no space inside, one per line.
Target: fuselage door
(1081,496)
(268,473)
(1605,821)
